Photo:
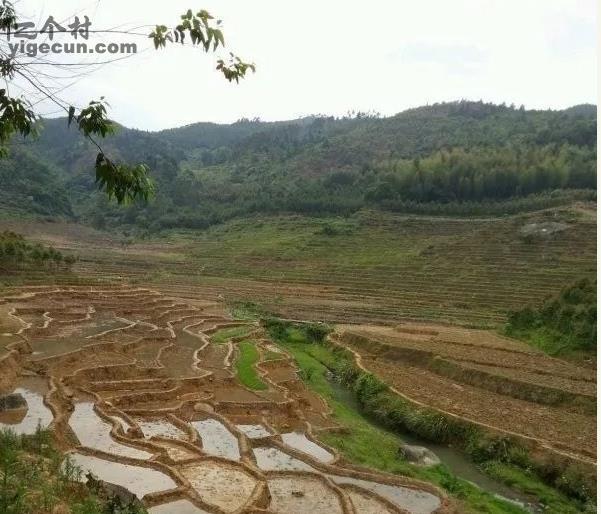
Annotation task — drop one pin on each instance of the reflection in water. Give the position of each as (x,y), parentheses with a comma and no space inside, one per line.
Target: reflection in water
(136,479)
(160,427)
(93,432)
(253,431)
(300,442)
(274,459)
(27,422)
(217,439)
(366,504)
(413,500)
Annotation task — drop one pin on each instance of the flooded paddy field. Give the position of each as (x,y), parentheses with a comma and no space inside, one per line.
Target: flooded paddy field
(138,480)
(142,391)
(34,413)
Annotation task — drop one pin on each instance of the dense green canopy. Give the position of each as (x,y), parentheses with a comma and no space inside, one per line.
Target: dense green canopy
(453,158)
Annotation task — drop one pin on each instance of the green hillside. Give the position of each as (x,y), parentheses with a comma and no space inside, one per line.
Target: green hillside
(31,186)
(459,158)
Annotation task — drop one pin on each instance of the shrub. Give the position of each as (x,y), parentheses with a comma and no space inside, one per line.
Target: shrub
(317,332)
(575,483)
(569,320)
(275,327)
(311,332)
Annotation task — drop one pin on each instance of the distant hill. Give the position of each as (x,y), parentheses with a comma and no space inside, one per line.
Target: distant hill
(458,157)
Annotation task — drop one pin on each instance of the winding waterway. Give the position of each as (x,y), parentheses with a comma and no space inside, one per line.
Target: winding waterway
(452,458)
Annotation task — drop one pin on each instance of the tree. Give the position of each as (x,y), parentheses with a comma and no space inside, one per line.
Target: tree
(125,182)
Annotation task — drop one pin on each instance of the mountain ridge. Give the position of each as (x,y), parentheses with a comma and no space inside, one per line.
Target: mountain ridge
(448,153)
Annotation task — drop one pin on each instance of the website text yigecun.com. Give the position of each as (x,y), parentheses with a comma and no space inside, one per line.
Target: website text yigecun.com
(33,49)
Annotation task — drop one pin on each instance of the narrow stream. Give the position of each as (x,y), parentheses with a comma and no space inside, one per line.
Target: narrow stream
(453,459)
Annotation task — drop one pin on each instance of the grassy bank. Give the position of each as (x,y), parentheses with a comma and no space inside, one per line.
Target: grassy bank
(36,478)
(245,366)
(499,458)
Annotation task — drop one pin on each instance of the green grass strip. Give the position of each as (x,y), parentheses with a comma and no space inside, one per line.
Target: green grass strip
(357,444)
(245,366)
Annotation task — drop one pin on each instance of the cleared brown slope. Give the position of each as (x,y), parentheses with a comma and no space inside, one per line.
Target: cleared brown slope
(379,268)
(485,378)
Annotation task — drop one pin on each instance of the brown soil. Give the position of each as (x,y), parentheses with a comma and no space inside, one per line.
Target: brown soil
(130,380)
(484,378)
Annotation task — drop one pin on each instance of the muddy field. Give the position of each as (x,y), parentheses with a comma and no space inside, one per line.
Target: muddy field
(494,382)
(140,390)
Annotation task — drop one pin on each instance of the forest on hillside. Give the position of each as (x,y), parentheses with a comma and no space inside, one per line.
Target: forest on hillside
(465,158)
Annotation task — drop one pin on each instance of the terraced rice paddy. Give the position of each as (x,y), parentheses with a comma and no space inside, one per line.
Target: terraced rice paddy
(140,481)
(382,269)
(499,384)
(179,506)
(193,410)
(150,401)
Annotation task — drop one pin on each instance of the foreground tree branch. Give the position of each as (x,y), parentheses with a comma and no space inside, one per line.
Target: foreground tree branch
(123,181)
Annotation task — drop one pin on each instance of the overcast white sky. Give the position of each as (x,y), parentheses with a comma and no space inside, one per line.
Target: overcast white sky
(331,56)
